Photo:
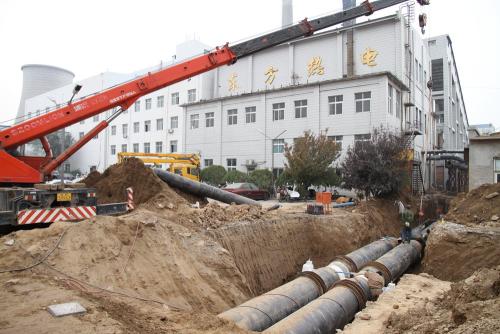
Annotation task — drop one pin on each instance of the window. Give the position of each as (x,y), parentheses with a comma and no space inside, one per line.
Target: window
(398,104)
(362,101)
(160,101)
(37,113)
(147,148)
(148,104)
(113,149)
(137,106)
(175,98)
(113,130)
(67,168)
(159,124)
(174,122)
(232,116)
(136,127)
(420,76)
(96,136)
(440,118)
(96,118)
(147,126)
(173,146)
(362,138)
(301,109)
(195,121)
(124,147)
(209,119)
(231,164)
(439,105)
(159,147)
(335,104)
(80,135)
(416,71)
(191,95)
(82,121)
(251,114)
(278,145)
(337,140)
(390,100)
(125,130)
(135,147)
(278,111)
(497,170)
(209,162)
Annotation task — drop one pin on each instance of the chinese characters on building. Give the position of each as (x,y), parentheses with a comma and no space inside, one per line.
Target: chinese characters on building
(270,74)
(368,57)
(315,67)
(233,82)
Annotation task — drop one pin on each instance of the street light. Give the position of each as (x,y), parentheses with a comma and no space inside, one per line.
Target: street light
(272,154)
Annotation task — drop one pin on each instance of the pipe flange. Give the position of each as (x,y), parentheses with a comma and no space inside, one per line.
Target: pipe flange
(358,291)
(353,268)
(383,269)
(316,279)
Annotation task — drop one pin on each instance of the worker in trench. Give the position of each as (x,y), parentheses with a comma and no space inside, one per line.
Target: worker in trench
(407,217)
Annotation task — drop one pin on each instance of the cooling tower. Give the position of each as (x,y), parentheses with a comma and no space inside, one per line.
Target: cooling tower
(39,79)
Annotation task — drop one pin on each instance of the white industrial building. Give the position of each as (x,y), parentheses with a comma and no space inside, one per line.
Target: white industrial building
(344,82)
(323,83)
(153,124)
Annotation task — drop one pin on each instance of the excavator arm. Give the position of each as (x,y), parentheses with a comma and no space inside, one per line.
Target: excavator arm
(27,170)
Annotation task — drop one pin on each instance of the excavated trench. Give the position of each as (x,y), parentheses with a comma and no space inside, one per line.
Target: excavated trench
(271,252)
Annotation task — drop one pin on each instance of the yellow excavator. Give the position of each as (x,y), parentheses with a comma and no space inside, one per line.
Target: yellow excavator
(185,164)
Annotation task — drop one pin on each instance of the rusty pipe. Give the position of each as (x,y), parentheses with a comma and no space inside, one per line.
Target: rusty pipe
(337,307)
(263,311)
(202,189)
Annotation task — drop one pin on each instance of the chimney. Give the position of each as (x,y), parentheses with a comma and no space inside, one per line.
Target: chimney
(348,4)
(287,13)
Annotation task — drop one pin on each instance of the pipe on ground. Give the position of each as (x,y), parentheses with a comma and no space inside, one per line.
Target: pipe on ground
(202,189)
(265,310)
(337,307)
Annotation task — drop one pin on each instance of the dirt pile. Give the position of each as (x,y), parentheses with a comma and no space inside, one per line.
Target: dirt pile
(111,185)
(140,254)
(454,251)
(478,206)
(471,306)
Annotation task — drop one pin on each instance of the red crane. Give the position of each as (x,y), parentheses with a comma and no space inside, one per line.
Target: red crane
(17,169)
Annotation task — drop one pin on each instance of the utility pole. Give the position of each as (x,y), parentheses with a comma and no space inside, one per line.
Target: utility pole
(273,179)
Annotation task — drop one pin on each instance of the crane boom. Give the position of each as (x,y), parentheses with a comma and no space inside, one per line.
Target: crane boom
(24,169)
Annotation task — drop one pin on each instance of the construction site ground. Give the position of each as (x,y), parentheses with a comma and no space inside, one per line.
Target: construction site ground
(176,261)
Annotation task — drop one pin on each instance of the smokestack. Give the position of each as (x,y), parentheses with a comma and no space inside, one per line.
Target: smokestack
(39,79)
(348,4)
(287,13)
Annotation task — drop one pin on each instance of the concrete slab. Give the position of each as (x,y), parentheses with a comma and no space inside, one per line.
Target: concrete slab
(59,310)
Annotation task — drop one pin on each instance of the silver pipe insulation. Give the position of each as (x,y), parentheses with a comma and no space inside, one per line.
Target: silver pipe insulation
(337,307)
(202,189)
(263,311)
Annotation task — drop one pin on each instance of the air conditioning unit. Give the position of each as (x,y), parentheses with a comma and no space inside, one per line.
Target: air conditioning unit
(125,135)
(170,130)
(250,163)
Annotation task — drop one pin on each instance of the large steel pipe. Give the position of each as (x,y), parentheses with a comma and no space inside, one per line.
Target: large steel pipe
(393,264)
(334,309)
(263,311)
(202,189)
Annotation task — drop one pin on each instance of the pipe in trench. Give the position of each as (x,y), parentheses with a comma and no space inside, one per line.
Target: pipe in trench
(337,307)
(263,311)
(202,189)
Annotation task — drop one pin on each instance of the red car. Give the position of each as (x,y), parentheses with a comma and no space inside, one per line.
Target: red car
(249,190)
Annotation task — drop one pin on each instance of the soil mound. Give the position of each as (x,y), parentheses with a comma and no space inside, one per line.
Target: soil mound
(453,252)
(141,254)
(112,184)
(478,206)
(471,306)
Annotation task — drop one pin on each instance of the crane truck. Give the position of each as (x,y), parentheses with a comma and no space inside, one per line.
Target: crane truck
(185,164)
(23,200)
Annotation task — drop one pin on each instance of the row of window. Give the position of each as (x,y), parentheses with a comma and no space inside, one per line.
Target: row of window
(174,124)
(279,147)
(362,101)
(160,100)
(146,147)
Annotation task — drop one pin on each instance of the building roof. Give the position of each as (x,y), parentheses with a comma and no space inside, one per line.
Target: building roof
(493,136)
